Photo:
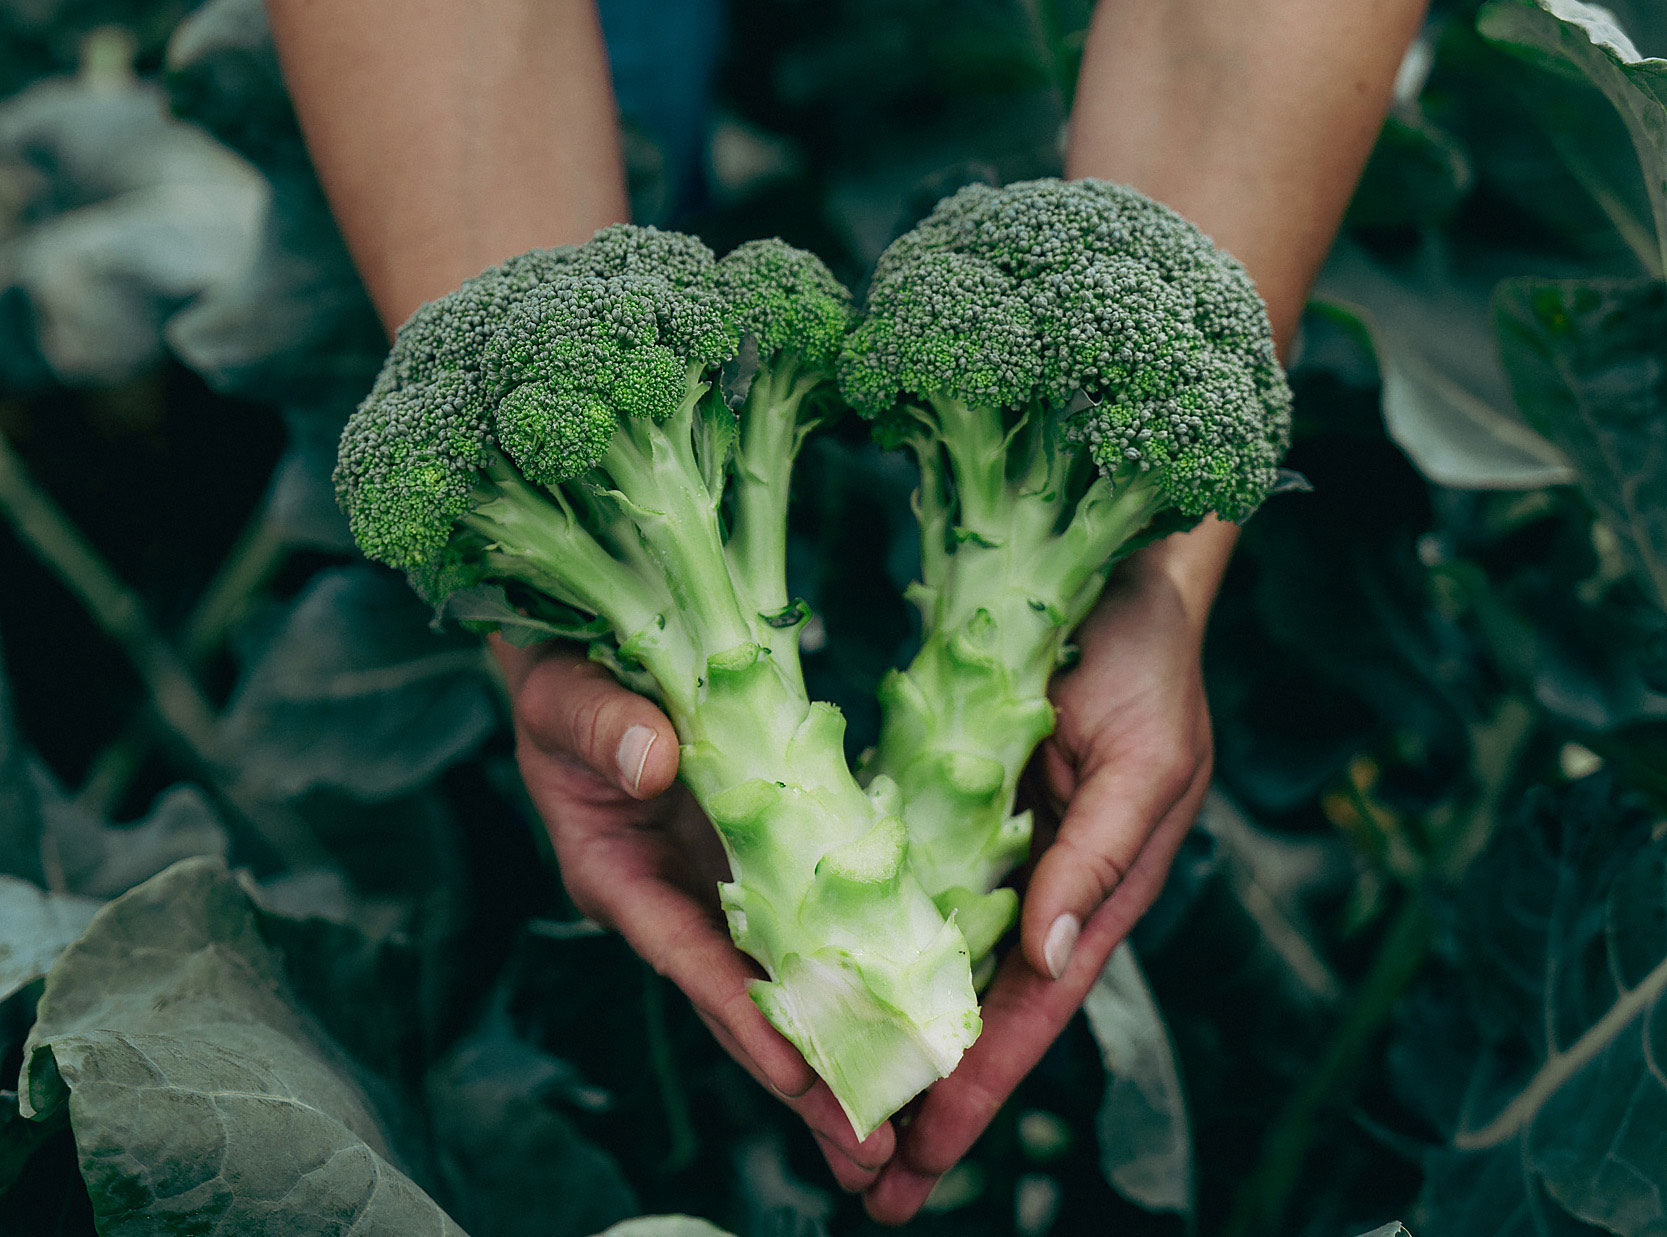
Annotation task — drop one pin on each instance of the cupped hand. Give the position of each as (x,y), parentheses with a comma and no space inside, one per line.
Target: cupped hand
(638,856)
(1124,773)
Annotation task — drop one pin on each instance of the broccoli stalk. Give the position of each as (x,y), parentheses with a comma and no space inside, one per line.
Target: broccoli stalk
(1078,371)
(555,433)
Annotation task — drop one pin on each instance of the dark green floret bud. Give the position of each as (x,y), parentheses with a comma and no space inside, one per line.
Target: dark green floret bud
(554,433)
(786,299)
(407,466)
(628,249)
(946,324)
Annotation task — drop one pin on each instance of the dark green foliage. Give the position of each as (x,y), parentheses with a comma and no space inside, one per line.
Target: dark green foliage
(1408,669)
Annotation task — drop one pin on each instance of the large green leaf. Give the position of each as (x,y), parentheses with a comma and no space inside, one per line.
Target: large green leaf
(93,857)
(1145,1140)
(356,693)
(1588,362)
(1581,40)
(201,1095)
(50,840)
(517,1162)
(665,1226)
(1538,1054)
(35,926)
(20,825)
(1445,399)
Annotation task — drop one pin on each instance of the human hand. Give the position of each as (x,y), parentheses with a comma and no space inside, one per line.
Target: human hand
(638,856)
(1124,773)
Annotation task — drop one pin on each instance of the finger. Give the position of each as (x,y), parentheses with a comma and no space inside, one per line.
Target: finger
(676,936)
(1107,824)
(898,1194)
(569,706)
(847,1156)
(1023,1013)
(853,1178)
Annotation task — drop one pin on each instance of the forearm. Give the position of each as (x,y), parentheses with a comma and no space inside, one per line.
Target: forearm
(451,134)
(1253,118)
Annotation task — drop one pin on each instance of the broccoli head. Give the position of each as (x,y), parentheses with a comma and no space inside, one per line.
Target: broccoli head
(550,449)
(1078,370)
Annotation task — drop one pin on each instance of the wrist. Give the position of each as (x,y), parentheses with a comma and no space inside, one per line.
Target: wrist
(1192,564)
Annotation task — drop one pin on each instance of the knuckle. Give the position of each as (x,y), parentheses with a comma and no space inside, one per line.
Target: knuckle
(1097,864)
(588,718)
(1174,776)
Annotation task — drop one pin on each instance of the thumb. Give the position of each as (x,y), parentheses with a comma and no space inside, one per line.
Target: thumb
(1106,826)
(570,707)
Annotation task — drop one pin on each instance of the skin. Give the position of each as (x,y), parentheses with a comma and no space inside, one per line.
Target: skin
(1251,117)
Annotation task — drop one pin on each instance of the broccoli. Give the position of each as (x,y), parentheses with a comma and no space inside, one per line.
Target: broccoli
(556,433)
(1078,371)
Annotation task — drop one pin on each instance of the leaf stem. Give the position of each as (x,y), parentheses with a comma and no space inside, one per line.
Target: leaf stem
(681,1125)
(1261,1202)
(1560,1066)
(179,703)
(259,552)
(181,708)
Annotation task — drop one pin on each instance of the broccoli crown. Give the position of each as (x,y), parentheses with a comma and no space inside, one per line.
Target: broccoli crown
(408,464)
(540,358)
(786,299)
(578,353)
(1087,296)
(537,358)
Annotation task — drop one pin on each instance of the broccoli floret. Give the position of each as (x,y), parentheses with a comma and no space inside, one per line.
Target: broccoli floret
(1078,371)
(557,430)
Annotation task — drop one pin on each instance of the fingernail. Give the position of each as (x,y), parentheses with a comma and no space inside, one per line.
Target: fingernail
(1062,939)
(633,754)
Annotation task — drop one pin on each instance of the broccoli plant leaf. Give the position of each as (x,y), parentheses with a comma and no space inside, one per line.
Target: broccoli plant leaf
(519,1163)
(35,927)
(19,806)
(301,499)
(201,1095)
(135,214)
(50,840)
(487,607)
(1445,398)
(1575,39)
(355,693)
(1555,1105)
(1586,361)
(1145,1139)
(296,324)
(665,1226)
(93,857)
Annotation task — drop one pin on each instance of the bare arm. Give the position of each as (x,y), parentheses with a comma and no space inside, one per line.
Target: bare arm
(451,136)
(1253,118)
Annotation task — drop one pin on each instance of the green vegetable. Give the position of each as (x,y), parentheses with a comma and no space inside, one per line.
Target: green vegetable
(1078,371)
(556,429)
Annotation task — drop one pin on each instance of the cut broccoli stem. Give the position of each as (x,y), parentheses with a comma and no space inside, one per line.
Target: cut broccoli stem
(871,983)
(960,723)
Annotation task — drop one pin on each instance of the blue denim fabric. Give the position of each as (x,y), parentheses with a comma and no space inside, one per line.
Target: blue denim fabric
(664,55)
